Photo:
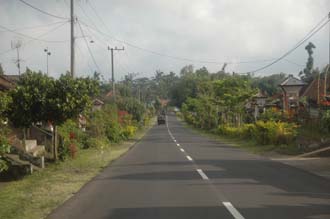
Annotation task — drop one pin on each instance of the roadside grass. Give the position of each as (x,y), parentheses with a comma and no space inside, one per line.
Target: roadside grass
(248,144)
(36,195)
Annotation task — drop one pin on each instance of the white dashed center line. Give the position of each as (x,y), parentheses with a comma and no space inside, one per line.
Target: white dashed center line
(203,175)
(174,140)
(178,145)
(181,150)
(189,158)
(232,210)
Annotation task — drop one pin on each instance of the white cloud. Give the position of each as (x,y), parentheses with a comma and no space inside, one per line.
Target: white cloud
(208,30)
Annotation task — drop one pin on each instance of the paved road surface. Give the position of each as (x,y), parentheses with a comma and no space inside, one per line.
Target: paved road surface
(174,173)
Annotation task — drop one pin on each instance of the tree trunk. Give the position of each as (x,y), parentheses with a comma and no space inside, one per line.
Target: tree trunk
(55,143)
(24,138)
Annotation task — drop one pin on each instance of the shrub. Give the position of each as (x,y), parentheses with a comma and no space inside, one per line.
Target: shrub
(264,133)
(4,148)
(73,138)
(99,143)
(129,131)
(325,121)
(271,115)
(277,133)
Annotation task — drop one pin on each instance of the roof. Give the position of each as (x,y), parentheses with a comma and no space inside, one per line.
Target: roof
(315,88)
(98,102)
(292,81)
(11,78)
(260,94)
(6,84)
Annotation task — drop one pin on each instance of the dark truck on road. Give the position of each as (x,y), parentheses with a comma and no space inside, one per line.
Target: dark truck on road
(161,119)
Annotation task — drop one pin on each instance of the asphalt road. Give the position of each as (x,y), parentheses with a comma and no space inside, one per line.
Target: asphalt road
(175,173)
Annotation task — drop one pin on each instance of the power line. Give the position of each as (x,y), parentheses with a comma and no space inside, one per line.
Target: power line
(170,56)
(27,36)
(35,27)
(291,50)
(150,51)
(89,49)
(26,43)
(42,11)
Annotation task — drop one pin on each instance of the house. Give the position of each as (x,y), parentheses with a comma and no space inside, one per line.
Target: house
(315,92)
(259,104)
(291,88)
(97,104)
(5,83)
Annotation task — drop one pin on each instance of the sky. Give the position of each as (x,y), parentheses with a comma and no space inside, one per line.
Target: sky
(163,35)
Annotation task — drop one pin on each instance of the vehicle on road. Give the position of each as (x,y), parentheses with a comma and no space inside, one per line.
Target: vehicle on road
(161,119)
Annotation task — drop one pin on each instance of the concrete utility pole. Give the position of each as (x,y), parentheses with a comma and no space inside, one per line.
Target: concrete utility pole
(17,45)
(47,54)
(72,64)
(112,69)
(327,69)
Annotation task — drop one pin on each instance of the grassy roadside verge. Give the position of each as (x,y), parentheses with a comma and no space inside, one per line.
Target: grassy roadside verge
(247,144)
(35,196)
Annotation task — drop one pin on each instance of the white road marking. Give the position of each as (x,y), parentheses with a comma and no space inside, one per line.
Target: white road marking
(181,150)
(174,140)
(203,175)
(178,145)
(232,210)
(189,158)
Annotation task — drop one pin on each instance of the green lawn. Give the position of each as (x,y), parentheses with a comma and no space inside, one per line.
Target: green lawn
(35,196)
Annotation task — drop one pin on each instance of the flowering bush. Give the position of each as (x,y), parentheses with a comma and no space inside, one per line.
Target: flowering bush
(272,132)
(269,132)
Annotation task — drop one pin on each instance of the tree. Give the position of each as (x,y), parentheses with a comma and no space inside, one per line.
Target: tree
(68,98)
(269,84)
(308,73)
(29,98)
(39,98)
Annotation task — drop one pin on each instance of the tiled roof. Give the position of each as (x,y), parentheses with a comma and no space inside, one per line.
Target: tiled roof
(5,84)
(292,81)
(315,88)
(11,78)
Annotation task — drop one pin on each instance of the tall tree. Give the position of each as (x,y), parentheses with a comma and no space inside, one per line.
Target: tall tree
(308,73)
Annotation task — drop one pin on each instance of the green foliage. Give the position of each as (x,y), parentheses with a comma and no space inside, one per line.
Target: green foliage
(29,99)
(277,133)
(226,96)
(271,115)
(325,121)
(308,73)
(4,148)
(129,131)
(41,98)
(4,145)
(133,107)
(100,143)
(73,138)
(264,133)
(69,98)
(269,84)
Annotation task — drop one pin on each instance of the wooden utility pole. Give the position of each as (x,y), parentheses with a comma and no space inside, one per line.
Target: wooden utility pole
(112,69)
(17,45)
(72,63)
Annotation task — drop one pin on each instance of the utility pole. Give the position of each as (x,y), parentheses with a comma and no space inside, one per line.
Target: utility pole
(326,73)
(72,19)
(17,45)
(112,69)
(47,54)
